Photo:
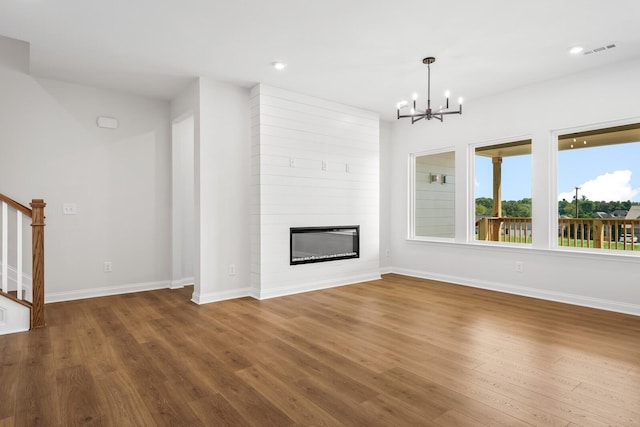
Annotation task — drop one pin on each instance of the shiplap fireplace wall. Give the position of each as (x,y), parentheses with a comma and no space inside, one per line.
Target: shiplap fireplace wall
(314,163)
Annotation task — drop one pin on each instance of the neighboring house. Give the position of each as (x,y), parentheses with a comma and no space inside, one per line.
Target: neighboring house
(634,213)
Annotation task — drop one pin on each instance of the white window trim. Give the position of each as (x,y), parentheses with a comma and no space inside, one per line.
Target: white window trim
(471,185)
(553,182)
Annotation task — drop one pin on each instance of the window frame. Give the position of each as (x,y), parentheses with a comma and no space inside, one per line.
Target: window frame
(553,183)
(471,186)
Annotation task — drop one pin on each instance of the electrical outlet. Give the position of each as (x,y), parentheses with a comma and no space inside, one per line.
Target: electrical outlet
(292,162)
(232,269)
(69,209)
(519,267)
(107,266)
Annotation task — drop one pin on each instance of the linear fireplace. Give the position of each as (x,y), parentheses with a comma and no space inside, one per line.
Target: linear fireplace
(320,244)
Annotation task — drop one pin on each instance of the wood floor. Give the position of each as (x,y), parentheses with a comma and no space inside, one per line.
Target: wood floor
(393,352)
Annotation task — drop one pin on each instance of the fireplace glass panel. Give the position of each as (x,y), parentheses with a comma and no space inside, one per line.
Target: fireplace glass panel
(319,244)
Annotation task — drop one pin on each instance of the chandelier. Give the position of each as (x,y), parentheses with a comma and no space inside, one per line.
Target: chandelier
(428,114)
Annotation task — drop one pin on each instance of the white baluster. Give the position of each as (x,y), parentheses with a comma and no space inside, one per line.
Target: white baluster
(19,253)
(5,243)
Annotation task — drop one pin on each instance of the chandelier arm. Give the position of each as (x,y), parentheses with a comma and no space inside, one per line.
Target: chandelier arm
(450,112)
(404,116)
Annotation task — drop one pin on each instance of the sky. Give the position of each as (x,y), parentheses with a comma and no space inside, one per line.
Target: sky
(609,173)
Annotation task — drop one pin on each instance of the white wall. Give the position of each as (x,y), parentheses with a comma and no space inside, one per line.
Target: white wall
(222,156)
(122,184)
(184,107)
(293,137)
(385,196)
(51,148)
(182,201)
(14,54)
(598,98)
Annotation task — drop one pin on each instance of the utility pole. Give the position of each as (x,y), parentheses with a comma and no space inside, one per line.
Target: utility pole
(577,188)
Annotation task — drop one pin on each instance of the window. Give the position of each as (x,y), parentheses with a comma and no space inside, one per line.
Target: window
(599,189)
(434,195)
(503,192)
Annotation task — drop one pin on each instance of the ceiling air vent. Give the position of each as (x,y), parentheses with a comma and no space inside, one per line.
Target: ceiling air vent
(600,49)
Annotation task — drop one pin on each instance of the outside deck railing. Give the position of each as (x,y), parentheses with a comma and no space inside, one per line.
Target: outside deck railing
(598,233)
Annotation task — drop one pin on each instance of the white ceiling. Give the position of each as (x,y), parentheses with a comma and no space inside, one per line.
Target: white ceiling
(363,53)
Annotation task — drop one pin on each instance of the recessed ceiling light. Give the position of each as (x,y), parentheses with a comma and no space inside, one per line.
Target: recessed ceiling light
(576,50)
(279,65)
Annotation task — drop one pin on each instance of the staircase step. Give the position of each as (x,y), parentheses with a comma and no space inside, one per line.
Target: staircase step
(13,296)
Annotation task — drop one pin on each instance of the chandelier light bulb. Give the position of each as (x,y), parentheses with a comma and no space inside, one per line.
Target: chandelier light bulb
(460,100)
(447,93)
(415,96)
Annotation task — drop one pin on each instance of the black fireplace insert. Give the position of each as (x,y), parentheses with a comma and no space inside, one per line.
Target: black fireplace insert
(320,244)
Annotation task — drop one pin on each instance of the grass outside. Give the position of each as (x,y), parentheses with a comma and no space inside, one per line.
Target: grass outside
(565,242)
(619,246)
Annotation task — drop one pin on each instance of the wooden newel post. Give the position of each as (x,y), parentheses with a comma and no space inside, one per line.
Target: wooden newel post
(37,240)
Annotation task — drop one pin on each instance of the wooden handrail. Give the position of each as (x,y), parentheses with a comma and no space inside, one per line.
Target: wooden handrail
(9,201)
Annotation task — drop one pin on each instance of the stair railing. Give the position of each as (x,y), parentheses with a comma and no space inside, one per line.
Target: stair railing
(36,214)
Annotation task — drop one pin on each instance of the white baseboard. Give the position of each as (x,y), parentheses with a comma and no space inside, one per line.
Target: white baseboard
(220,296)
(315,286)
(579,300)
(181,283)
(104,291)
(386,270)
(282,291)
(254,293)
